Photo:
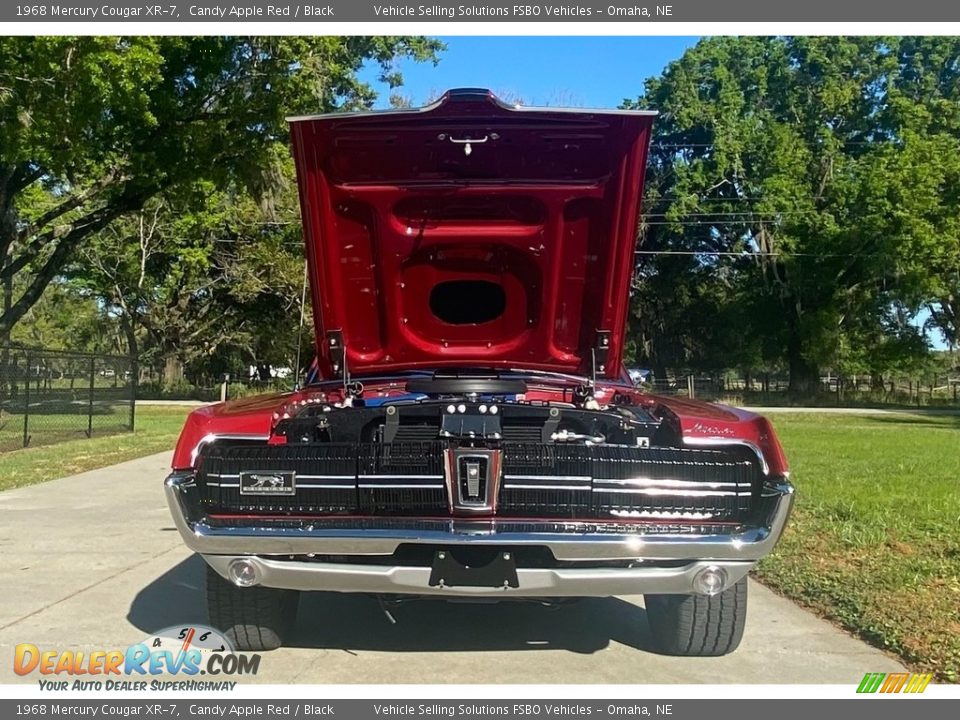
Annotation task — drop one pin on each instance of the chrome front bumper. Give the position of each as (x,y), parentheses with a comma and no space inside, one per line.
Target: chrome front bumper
(539,582)
(272,545)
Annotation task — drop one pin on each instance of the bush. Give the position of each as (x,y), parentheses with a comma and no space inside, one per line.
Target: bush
(181,390)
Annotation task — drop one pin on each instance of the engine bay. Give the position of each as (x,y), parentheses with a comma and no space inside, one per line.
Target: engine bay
(474,411)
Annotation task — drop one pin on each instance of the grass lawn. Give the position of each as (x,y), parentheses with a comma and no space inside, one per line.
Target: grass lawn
(874,542)
(157,429)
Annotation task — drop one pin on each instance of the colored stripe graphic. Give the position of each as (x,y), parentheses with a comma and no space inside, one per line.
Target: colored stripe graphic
(870,682)
(894,682)
(921,683)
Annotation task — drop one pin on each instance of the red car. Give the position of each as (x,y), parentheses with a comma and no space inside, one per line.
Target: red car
(471,431)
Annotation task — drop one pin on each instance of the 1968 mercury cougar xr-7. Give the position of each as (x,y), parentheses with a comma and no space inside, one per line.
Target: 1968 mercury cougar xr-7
(470,430)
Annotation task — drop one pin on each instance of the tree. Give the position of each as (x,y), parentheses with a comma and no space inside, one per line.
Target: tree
(84,328)
(802,179)
(95,127)
(202,284)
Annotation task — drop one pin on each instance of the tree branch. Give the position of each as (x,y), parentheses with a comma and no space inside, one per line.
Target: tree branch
(94,222)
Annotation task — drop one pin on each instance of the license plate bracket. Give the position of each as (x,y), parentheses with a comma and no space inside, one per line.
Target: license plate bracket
(500,572)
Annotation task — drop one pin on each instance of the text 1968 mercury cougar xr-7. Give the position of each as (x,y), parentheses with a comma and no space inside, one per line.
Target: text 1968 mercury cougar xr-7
(470,430)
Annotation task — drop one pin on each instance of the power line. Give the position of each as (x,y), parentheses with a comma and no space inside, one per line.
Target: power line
(748,213)
(718,219)
(680,146)
(671,198)
(757,253)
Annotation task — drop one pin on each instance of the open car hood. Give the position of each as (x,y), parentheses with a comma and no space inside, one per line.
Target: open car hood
(471,234)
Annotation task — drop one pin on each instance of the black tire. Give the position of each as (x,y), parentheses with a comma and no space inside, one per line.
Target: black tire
(254,618)
(698,625)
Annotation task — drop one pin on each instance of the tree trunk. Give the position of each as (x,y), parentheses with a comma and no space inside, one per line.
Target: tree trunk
(5,369)
(804,375)
(659,371)
(172,369)
(7,302)
(133,349)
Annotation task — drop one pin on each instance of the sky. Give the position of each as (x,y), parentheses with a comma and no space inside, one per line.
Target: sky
(577,71)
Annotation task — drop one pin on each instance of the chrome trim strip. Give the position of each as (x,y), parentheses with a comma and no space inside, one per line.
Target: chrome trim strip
(551,478)
(513,486)
(325,486)
(713,442)
(748,544)
(669,483)
(400,486)
(666,491)
(661,514)
(533,582)
(400,477)
(326,477)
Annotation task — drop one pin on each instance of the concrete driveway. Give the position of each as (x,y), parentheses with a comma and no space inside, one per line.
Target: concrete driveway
(93,562)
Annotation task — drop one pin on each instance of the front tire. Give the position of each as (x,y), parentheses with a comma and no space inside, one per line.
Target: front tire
(253,618)
(698,625)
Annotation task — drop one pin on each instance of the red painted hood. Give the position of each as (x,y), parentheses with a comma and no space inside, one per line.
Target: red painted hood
(470,233)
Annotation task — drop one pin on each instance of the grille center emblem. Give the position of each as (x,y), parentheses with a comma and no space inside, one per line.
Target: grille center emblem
(473,480)
(268,483)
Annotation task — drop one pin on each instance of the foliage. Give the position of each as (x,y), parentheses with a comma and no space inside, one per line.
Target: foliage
(808,188)
(66,318)
(207,285)
(95,127)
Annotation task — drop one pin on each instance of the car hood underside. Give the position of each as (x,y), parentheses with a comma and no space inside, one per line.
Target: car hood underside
(471,233)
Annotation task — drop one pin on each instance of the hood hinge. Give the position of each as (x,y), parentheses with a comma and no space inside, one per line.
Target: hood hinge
(338,353)
(601,352)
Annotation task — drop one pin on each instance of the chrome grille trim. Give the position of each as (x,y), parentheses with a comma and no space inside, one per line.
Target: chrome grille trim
(671,492)
(668,483)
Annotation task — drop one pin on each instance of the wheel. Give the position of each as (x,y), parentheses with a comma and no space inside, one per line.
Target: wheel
(253,618)
(698,625)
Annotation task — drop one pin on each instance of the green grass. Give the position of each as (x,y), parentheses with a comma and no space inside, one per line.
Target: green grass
(157,429)
(874,542)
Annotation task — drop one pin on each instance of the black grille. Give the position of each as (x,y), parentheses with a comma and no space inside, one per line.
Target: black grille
(401,478)
(516,433)
(329,466)
(610,483)
(669,483)
(400,458)
(417,433)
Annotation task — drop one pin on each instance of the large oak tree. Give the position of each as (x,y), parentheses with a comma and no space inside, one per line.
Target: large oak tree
(803,202)
(91,128)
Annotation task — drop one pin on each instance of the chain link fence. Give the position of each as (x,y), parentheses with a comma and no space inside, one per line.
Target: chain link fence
(48,396)
(937,390)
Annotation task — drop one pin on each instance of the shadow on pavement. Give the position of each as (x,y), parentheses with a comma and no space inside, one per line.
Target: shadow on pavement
(176,597)
(357,622)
